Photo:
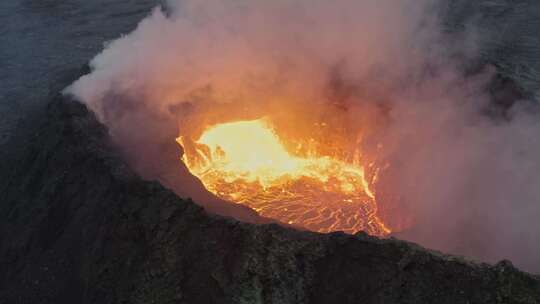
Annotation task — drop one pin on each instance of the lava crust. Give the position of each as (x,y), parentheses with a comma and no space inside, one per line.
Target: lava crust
(78,226)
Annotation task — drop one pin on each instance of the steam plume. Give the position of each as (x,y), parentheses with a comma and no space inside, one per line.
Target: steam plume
(385,68)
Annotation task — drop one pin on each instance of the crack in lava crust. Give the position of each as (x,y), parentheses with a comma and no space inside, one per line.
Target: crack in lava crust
(245,162)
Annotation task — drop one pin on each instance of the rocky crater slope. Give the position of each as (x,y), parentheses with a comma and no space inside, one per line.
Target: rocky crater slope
(78,226)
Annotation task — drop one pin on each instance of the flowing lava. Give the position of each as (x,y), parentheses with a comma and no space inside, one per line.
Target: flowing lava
(245,162)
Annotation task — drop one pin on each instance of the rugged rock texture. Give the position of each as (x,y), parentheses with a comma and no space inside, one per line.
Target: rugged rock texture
(78,226)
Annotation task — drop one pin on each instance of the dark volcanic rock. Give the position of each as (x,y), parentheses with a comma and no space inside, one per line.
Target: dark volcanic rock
(78,226)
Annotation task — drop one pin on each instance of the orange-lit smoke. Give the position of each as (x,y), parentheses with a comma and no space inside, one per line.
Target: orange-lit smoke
(378,77)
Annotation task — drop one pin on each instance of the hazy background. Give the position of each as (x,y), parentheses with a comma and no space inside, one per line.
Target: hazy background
(41,40)
(44,41)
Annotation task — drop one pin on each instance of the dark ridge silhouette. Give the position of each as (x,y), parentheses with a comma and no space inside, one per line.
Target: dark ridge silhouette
(78,226)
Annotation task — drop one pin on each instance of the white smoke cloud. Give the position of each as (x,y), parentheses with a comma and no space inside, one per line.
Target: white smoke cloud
(470,181)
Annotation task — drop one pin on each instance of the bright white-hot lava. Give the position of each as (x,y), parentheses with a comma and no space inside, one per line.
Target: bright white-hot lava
(389,78)
(246,162)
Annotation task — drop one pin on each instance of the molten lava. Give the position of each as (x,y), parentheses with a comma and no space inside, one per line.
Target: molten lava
(246,162)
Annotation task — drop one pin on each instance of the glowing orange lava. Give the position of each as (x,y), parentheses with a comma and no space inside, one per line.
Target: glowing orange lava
(245,162)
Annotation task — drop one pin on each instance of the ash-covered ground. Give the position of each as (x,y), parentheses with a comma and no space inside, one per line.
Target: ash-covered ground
(44,45)
(44,41)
